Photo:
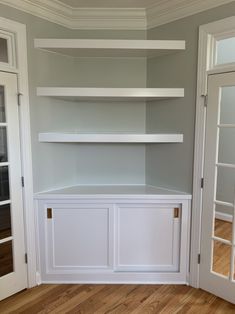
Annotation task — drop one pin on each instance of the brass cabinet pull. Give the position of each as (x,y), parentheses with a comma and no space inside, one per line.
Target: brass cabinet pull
(176,212)
(49,213)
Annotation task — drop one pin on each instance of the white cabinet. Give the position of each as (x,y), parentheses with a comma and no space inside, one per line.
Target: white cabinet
(147,237)
(105,239)
(78,236)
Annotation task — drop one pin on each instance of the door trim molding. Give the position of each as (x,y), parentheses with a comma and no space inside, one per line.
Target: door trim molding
(19,31)
(208,34)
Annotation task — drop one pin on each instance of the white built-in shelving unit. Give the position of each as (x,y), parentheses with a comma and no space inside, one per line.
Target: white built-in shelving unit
(109,47)
(123,233)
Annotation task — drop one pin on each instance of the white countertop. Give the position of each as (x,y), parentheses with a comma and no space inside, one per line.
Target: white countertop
(113,191)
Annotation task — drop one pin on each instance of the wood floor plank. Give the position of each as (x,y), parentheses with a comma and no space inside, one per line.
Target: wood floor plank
(24,297)
(92,304)
(115,299)
(87,292)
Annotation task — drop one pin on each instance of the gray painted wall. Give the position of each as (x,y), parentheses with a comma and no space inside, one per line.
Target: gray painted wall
(58,165)
(172,165)
(169,165)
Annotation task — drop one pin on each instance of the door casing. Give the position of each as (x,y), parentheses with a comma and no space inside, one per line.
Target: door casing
(211,279)
(18,31)
(208,35)
(16,280)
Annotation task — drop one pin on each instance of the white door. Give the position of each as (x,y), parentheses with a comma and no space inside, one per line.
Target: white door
(13,276)
(217,269)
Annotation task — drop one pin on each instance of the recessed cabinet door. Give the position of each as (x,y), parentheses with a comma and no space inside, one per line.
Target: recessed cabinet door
(75,237)
(147,237)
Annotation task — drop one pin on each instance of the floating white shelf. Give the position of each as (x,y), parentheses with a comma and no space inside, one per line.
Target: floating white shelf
(118,94)
(110,47)
(109,138)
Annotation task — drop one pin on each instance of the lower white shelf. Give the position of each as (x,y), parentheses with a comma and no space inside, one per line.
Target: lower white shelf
(109,138)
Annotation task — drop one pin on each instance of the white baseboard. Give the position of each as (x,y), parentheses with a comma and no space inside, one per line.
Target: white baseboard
(38,277)
(224,216)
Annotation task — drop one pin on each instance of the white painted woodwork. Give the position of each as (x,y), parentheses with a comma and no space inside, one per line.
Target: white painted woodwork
(114,94)
(78,237)
(16,280)
(109,47)
(136,18)
(140,230)
(113,191)
(103,235)
(109,138)
(216,283)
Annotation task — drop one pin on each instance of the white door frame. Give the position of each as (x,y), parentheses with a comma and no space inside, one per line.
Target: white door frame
(18,31)
(208,36)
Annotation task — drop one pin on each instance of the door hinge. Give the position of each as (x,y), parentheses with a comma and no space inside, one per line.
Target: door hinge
(18,98)
(205,100)
(22,182)
(199,258)
(202,183)
(26,258)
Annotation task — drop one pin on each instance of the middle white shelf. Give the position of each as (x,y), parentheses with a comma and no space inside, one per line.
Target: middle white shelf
(60,137)
(118,94)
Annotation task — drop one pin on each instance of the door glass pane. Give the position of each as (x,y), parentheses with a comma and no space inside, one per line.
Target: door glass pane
(227,145)
(226,50)
(227,105)
(223,229)
(4,184)
(3,144)
(5,221)
(3,50)
(6,258)
(221,258)
(2,105)
(225,184)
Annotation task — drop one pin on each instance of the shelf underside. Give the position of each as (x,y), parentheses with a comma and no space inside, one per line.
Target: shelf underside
(113,94)
(110,47)
(116,191)
(109,138)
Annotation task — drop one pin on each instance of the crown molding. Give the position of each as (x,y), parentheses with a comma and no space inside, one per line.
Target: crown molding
(168,11)
(82,18)
(163,12)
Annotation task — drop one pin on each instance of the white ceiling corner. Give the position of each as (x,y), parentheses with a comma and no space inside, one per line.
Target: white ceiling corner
(136,15)
(168,11)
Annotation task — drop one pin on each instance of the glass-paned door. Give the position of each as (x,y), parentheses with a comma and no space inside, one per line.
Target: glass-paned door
(217,269)
(12,264)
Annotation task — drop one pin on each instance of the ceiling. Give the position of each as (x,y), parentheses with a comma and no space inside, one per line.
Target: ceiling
(110,3)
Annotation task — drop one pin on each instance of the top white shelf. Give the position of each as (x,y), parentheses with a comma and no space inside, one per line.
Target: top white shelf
(112,94)
(110,47)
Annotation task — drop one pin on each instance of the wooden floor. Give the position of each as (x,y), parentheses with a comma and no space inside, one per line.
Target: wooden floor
(115,299)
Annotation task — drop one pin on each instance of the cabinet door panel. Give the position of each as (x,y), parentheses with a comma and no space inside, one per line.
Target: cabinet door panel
(148,238)
(77,237)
